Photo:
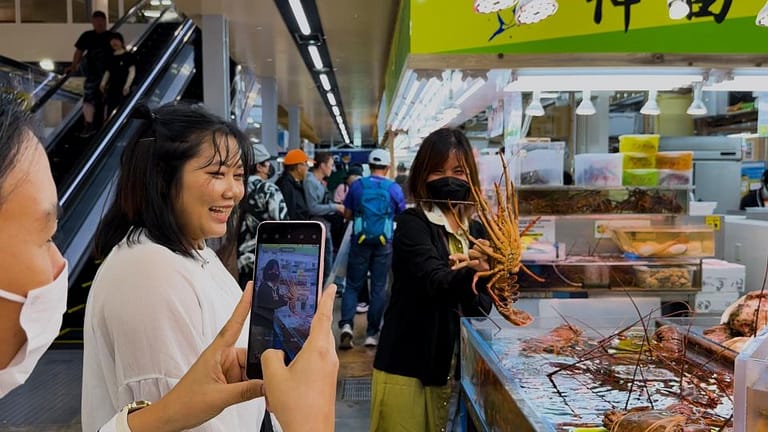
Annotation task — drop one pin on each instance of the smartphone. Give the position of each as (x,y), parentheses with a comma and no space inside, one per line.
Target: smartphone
(288,271)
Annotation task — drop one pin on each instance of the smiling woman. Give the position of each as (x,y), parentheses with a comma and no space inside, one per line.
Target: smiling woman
(161,295)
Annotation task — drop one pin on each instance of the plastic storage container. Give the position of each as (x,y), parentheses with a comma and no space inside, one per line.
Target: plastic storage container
(750,390)
(639,143)
(665,277)
(680,161)
(666,241)
(675,177)
(598,169)
(640,177)
(639,161)
(538,163)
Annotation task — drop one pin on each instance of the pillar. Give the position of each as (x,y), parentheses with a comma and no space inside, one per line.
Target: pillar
(216,85)
(294,127)
(269,114)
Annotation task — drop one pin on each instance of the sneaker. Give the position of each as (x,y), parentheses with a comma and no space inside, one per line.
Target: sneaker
(345,342)
(371,341)
(362,308)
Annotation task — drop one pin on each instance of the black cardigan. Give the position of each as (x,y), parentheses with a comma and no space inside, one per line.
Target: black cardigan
(421,323)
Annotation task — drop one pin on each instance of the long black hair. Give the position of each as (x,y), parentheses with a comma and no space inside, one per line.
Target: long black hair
(15,124)
(150,176)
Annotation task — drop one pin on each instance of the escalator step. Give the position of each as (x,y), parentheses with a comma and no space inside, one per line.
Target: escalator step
(51,395)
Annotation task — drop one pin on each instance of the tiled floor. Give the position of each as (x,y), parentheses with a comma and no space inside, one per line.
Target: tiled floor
(54,389)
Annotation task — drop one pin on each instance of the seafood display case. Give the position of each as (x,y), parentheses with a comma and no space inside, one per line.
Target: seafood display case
(555,376)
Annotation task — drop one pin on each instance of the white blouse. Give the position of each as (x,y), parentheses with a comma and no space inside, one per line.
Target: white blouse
(150,313)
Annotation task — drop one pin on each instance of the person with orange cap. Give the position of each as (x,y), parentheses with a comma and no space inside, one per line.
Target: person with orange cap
(295,170)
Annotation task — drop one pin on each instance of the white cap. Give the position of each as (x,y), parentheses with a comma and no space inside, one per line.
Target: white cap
(379,157)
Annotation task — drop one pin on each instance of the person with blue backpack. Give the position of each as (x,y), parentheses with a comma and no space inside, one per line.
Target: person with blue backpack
(371,204)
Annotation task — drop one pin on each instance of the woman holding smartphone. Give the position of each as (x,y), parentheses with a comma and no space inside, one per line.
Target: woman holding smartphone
(33,277)
(161,294)
(417,353)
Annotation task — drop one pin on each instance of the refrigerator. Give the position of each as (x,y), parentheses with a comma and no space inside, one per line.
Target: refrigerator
(716,167)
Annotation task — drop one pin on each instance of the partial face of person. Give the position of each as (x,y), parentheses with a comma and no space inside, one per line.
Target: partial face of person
(116,44)
(327,168)
(28,218)
(99,24)
(302,171)
(209,192)
(452,167)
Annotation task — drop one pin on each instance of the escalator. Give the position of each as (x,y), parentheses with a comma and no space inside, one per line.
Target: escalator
(85,170)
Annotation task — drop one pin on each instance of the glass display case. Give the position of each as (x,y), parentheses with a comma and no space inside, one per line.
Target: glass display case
(544,377)
(581,200)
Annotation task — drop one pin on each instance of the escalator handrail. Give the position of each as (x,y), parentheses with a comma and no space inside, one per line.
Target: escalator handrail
(151,27)
(186,30)
(55,88)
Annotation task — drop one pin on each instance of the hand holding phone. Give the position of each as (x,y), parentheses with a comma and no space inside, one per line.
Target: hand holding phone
(288,271)
(306,389)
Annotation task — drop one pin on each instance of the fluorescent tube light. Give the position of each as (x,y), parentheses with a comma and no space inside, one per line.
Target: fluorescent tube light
(475,87)
(331,98)
(301,18)
(315,54)
(325,82)
(600,81)
(336,110)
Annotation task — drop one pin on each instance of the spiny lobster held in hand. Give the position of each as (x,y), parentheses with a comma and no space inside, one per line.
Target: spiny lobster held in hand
(504,248)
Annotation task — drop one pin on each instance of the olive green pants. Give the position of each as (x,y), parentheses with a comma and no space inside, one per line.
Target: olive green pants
(403,404)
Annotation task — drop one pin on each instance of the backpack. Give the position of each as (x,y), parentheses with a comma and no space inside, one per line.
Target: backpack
(374,215)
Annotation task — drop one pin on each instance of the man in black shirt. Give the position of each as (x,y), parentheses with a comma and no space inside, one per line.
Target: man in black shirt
(92,49)
(756,198)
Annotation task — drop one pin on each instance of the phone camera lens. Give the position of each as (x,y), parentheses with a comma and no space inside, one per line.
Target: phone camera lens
(314,236)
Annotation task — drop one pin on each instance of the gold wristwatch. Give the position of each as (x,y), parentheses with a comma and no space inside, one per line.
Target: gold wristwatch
(136,405)
(122,417)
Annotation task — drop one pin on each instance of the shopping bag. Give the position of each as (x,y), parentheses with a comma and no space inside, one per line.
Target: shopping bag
(339,269)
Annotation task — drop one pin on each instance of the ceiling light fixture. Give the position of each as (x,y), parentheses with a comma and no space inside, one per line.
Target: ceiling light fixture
(678,9)
(475,87)
(586,107)
(325,82)
(301,17)
(651,107)
(535,108)
(331,98)
(697,106)
(47,65)
(533,11)
(601,79)
(315,54)
(335,110)
(762,16)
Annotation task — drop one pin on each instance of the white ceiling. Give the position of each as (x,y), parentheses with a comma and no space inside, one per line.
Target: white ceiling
(358,35)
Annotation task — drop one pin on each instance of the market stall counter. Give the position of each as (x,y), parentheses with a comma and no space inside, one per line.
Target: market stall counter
(555,375)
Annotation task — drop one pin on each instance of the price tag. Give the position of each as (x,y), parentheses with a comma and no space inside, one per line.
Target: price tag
(713,221)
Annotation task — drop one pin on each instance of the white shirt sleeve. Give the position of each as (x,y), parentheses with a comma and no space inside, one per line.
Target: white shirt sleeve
(111,425)
(150,314)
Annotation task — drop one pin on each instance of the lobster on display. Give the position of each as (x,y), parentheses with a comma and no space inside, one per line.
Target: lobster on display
(504,248)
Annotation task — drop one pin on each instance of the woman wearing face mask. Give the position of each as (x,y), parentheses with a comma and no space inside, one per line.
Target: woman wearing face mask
(33,277)
(412,378)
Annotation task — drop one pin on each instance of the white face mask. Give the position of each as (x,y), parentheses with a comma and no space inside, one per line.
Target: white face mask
(41,314)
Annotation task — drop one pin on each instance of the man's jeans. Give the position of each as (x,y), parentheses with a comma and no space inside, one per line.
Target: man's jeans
(362,259)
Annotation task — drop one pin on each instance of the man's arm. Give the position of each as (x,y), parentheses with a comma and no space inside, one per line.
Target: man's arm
(76,58)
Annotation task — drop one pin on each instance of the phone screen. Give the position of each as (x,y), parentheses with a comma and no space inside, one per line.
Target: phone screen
(286,285)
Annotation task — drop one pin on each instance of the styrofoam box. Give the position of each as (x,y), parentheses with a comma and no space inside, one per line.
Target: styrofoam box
(714,302)
(719,276)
